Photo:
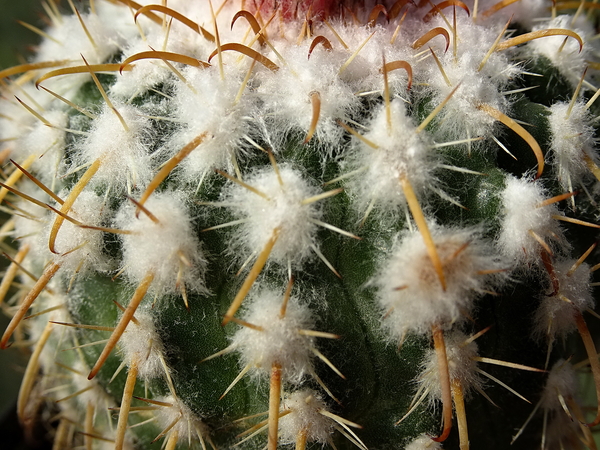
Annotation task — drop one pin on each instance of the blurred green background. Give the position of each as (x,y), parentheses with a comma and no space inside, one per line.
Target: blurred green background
(16,44)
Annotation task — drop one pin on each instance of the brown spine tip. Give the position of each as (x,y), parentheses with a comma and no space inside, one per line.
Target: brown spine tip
(297,9)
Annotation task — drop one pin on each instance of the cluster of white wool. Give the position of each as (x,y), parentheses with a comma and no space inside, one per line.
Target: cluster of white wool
(121,149)
(15,120)
(462,366)
(409,289)
(95,393)
(424,442)
(79,249)
(305,416)
(480,84)
(277,211)
(566,54)
(561,382)
(141,345)
(572,144)
(69,42)
(287,95)
(46,143)
(182,420)
(556,314)
(401,152)
(524,218)
(409,286)
(168,249)
(207,104)
(278,341)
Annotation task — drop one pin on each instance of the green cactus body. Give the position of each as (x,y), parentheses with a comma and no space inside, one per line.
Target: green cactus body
(305,224)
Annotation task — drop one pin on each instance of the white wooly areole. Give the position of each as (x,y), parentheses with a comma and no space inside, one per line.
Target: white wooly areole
(118,144)
(277,340)
(572,144)
(529,223)
(391,152)
(276,210)
(161,241)
(409,290)
(570,296)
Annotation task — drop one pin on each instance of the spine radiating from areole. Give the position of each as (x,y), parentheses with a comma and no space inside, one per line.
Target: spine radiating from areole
(305,224)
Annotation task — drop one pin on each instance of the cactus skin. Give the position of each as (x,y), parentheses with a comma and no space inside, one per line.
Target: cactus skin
(349,226)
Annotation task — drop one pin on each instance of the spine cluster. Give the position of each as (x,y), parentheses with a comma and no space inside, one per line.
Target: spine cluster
(342,224)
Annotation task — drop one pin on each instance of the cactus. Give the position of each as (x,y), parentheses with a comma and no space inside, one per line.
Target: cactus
(305,224)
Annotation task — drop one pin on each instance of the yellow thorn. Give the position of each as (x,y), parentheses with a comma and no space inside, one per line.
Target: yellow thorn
(315,100)
(104,95)
(244,185)
(275,166)
(556,199)
(81,69)
(590,349)
(440,67)
(38,183)
(301,439)
(74,394)
(444,376)
(16,175)
(419,217)
(126,405)
(137,298)
(335,33)
(172,441)
(496,7)
(247,324)
(575,221)
(84,326)
(326,360)
(274,402)
(286,298)
(31,67)
(436,111)
(461,414)
(146,10)
(31,373)
(169,166)
(493,47)
(581,259)
(252,276)
(323,195)
(36,30)
(235,381)
(62,435)
(437,31)
(357,135)
(355,54)
(522,132)
(506,364)
(37,115)
(576,93)
(70,200)
(11,272)
(89,426)
(522,39)
(41,283)
(85,29)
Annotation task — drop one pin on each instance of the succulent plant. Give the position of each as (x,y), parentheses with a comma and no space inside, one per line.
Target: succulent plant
(305,224)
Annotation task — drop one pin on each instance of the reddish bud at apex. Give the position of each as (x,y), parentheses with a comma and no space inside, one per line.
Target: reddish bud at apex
(294,9)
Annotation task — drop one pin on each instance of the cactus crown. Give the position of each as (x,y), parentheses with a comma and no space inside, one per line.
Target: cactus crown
(305,223)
